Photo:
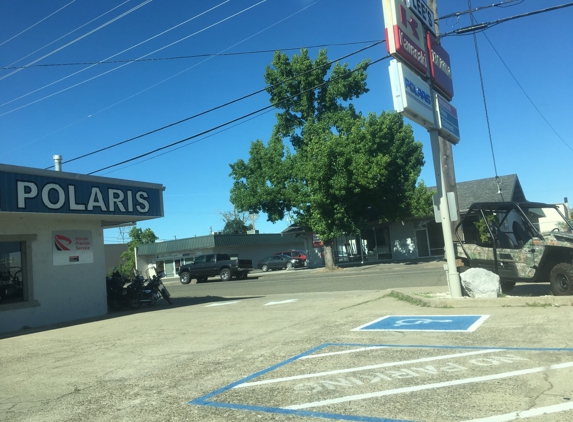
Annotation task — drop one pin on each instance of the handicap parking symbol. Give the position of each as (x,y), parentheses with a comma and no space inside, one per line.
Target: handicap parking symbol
(450,323)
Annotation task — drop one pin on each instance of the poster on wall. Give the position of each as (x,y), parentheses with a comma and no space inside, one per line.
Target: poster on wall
(72,247)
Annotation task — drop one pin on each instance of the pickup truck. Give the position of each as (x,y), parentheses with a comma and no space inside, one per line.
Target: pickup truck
(210,265)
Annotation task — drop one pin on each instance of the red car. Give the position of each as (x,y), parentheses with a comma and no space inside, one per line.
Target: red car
(295,254)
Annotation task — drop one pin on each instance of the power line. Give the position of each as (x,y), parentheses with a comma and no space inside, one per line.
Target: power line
(194,56)
(485,25)
(477,9)
(63,36)
(232,121)
(40,21)
(79,38)
(212,109)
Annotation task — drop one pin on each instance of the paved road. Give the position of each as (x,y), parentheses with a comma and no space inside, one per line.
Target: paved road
(298,356)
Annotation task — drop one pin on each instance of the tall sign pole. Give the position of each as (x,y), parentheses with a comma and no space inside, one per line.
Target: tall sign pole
(422,87)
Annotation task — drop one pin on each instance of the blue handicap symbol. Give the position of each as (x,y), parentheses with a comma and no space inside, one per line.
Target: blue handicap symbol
(450,323)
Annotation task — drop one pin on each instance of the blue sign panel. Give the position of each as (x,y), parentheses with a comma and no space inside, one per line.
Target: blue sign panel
(42,193)
(452,323)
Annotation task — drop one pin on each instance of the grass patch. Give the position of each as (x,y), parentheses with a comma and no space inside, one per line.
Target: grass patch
(409,299)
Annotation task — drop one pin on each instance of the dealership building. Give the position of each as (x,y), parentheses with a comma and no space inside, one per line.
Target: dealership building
(52,258)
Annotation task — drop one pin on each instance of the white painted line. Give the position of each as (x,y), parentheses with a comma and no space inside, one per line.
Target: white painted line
(223,303)
(476,324)
(563,407)
(366,368)
(280,303)
(414,388)
(362,349)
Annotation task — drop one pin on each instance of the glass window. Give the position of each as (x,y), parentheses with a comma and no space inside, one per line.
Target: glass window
(11,274)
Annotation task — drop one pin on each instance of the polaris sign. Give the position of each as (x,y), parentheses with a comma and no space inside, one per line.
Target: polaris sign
(67,193)
(412,96)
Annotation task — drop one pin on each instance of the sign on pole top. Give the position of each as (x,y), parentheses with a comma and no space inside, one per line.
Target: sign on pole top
(422,11)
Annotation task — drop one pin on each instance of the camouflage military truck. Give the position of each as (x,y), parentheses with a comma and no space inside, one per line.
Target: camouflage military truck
(521,242)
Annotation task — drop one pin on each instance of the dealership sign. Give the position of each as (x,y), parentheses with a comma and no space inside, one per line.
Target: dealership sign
(72,247)
(412,96)
(50,192)
(447,119)
(421,9)
(405,35)
(440,70)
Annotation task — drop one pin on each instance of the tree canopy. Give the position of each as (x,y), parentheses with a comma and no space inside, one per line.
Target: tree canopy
(137,237)
(339,162)
(235,222)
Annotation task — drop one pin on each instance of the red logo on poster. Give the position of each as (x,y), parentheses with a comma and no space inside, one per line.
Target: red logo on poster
(61,242)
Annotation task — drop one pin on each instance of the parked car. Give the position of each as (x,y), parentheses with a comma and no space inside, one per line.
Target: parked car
(295,254)
(210,265)
(280,262)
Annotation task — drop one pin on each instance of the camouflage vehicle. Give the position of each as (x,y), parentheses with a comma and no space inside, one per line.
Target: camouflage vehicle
(521,242)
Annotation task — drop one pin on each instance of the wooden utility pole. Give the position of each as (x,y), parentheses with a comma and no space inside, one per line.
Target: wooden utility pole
(447,158)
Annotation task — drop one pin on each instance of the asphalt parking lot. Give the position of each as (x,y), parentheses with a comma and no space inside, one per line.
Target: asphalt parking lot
(409,354)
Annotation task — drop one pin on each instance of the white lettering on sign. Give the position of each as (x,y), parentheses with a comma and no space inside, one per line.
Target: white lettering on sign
(421,10)
(412,50)
(438,61)
(54,196)
(26,190)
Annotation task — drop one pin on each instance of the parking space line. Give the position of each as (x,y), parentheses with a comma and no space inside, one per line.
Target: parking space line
(365,396)
(368,367)
(343,352)
(538,411)
(222,303)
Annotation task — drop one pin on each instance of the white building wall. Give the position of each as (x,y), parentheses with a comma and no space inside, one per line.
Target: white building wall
(60,293)
(403,241)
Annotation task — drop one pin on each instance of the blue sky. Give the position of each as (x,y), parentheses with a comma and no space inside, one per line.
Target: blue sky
(76,109)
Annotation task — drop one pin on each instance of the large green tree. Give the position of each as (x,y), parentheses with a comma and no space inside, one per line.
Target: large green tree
(236,222)
(338,163)
(137,236)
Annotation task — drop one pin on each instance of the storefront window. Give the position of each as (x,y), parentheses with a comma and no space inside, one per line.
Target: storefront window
(12,281)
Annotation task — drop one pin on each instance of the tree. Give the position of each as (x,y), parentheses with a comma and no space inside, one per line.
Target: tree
(235,222)
(137,237)
(422,203)
(339,163)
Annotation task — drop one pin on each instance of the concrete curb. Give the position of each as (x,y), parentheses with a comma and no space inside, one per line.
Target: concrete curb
(425,297)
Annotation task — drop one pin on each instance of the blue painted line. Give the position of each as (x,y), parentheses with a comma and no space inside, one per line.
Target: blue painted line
(204,400)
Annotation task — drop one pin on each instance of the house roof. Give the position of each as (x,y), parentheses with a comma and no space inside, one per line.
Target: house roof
(486,190)
(213,241)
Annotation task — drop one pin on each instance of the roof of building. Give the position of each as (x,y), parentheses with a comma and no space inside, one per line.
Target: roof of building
(488,190)
(213,241)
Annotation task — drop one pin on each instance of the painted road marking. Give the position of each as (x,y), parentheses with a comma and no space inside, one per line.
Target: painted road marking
(460,365)
(449,323)
(369,367)
(429,386)
(343,352)
(280,303)
(222,303)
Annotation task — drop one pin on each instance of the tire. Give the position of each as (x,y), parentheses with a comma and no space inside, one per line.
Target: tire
(289,266)
(561,279)
(166,295)
(507,286)
(265,268)
(134,302)
(225,274)
(114,304)
(185,277)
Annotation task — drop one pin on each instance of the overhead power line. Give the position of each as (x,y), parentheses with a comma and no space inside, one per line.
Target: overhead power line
(212,109)
(477,9)
(40,21)
(232,121)
(482,26)
(193,56)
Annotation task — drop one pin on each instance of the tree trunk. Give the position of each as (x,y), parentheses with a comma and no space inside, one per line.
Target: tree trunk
(328,258)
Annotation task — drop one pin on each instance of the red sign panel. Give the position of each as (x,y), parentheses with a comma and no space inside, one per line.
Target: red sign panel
(440,69)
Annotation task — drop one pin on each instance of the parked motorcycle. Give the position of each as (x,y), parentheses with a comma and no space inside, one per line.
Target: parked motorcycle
(151,291)
(118,294)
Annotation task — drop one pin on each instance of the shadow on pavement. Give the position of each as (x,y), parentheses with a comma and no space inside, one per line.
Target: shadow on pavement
(531,289)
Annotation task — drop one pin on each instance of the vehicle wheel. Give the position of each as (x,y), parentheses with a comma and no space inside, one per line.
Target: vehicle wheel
(134,303)
(166,295)
(114,304)
(225,274)
(507,286)
(185,277)
(289,266)
(265,268)
(561,279)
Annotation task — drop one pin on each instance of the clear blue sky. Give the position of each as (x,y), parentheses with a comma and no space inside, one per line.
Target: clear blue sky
(75,109)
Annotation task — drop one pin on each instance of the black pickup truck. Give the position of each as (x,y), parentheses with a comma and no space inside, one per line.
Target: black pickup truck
(210,265)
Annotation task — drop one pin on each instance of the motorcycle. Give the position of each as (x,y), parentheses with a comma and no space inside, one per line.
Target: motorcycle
(118,294)
(151,291)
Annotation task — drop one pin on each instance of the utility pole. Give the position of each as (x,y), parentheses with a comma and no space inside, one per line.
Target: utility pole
(446,182)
